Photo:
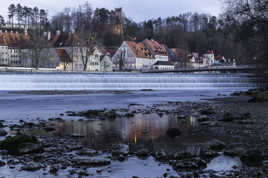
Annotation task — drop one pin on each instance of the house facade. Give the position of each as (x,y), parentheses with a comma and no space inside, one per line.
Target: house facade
(139,56)
(9,50)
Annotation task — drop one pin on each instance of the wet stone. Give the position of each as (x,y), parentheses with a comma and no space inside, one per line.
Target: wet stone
(2,163)
(31,167)
(2,131)
(252,158)
(91,162)
(216,145)
(173,132)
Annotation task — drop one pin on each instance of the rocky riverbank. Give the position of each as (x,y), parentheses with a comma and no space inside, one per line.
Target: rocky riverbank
(196,136)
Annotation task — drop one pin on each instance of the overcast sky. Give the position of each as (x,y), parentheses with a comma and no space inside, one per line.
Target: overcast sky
(138,10)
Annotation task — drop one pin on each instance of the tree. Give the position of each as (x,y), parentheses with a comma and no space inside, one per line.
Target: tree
(2,21)
(11,13)
(254,13)
(19,13)
(37,43)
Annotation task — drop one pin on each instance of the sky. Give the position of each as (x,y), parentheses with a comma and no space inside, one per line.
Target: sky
(137,10)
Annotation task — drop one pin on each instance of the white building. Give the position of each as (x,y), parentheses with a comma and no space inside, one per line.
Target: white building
(208,58)
(139,56)
(132,56)
(163,65)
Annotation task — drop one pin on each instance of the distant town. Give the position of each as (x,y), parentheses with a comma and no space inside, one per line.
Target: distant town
(75,46)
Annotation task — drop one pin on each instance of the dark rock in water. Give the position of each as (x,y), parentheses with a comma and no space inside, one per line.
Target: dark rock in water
(91,162)
(228,117)
(87,152)
(234,151)
(31,167)
(54,169)
(207,111)
(75,135)
(49,129)
(190,164)
(3,132)
(173,132)
(216,145)
(252,158)
(2,163)
(142,153)
(265,163)
(1,125)
(28,148)
(13,162)
(14,144)
(83,173)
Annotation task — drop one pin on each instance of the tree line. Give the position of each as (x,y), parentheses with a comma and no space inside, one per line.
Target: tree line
(27,15)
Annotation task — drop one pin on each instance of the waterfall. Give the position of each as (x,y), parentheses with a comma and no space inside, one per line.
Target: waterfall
(116,81)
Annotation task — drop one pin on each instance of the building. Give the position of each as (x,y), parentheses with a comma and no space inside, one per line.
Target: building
(106,64)
(163,65)
(139,56)
(208,58)
(10,48)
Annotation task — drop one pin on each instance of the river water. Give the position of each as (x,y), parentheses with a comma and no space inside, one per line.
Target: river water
(41,96)
(16,105)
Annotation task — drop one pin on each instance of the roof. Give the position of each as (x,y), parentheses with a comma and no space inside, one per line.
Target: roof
(178,52)
(139,49)
(63,55)
(12,39)
(157,49)
(163,63)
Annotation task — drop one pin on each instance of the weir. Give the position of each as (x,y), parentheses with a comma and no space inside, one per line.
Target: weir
(16,82)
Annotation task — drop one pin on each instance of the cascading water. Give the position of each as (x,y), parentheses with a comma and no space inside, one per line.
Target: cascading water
(15,82)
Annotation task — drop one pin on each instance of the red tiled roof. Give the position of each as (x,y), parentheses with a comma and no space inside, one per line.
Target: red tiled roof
(139,49)
(156,47)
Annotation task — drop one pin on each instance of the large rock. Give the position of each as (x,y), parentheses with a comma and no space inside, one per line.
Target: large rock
(252,158)
(173,132)
(31,167)
(216,145)
(2,163)
(91,162)
(3,132)
(142,153)
(15,145)
(28,148)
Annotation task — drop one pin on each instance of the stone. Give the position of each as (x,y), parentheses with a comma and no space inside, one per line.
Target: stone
(3,132)
(18,142)
(207,111)
(91,162)
(252,158)
(216,145)
(2,163)
(54,169)
(49,129)
(31,167)
(142,153)
(173,132)
(234,151)
(28,148)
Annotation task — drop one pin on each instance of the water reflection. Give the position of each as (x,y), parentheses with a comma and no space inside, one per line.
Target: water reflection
(142,129)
